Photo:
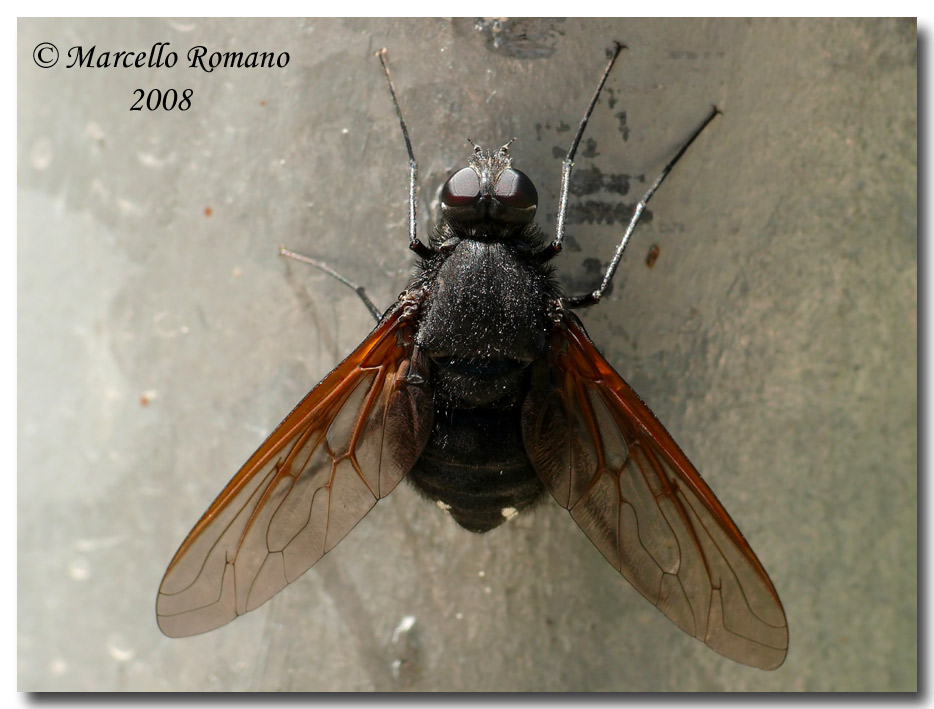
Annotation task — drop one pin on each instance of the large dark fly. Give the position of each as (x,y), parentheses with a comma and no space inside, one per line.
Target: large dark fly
(481,386)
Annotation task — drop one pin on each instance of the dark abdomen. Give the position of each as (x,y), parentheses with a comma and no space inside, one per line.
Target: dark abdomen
(475,463)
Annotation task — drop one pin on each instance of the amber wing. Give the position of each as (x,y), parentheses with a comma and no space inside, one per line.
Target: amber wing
(605,457)
(346,445)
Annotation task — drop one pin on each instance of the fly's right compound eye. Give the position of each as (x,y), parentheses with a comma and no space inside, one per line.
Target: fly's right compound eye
(516,190)
(516,196)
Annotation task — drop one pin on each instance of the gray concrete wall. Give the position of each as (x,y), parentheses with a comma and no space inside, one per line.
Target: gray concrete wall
(161,338)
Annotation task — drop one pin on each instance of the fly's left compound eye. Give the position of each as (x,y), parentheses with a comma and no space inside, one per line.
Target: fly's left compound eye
(462,189)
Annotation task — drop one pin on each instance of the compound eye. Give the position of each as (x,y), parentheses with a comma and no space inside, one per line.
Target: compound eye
(514,189)
(462,188)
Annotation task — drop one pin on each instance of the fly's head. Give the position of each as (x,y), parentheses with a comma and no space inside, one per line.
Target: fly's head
(489,189)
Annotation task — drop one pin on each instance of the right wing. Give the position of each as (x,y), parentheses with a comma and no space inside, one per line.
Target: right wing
(604,457)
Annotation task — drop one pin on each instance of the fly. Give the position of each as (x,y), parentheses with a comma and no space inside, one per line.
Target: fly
(482,388)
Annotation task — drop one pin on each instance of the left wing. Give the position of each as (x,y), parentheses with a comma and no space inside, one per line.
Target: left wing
(346,445)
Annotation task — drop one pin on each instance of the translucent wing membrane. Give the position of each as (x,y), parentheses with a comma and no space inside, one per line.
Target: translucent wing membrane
(345,446)
(605,457)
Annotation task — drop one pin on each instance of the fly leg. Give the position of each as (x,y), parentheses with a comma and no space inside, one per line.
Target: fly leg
(321,265)
(555,246)
(417,246)
(582,301)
